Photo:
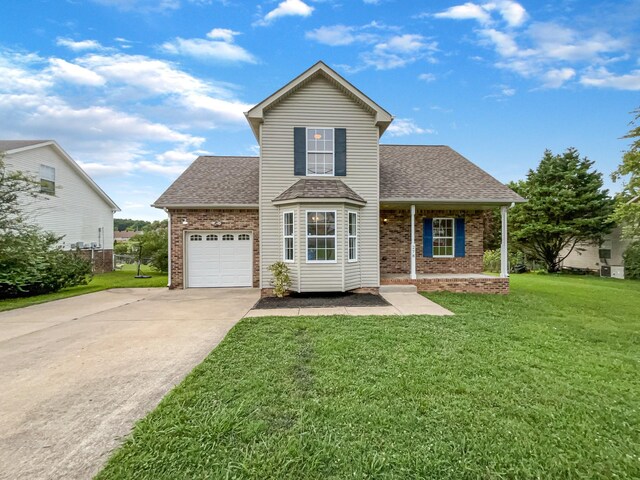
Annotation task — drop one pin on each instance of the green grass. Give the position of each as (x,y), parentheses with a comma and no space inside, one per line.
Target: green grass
(118,279)
(544,383)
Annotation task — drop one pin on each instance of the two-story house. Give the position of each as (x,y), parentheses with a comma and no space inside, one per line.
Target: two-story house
(324,196)
(72,205)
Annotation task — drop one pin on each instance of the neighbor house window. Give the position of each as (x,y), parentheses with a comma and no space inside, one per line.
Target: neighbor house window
(443,237)
(320,151)
(321,236)
(353,236)
(47,180)
(287,235)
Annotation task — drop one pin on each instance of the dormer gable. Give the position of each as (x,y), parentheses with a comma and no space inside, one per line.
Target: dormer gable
(255,116)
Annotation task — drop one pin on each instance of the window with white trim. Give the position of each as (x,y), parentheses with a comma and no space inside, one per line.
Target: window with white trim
(244,236)
(195,238)
(227,236)
(287,236)
(443,237)
(47,180)
(353,237)
(211,238)
(321,236)
(320,151)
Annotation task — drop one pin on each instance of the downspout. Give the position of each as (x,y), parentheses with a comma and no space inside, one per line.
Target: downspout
(169,247)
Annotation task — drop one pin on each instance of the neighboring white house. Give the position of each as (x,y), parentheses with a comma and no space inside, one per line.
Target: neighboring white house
(73,205)
(594,257)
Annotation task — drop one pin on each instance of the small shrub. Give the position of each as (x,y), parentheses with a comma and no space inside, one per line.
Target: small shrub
(491,261)
(631,258)
(281,280)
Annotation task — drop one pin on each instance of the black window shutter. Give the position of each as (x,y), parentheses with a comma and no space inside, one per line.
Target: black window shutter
(299,151)
(341,152)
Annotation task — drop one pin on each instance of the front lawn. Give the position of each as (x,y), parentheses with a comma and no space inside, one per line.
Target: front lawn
(118,279)
(543,383)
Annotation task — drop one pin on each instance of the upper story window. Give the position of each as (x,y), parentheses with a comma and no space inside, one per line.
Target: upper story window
(47,180)
(320,151)
(443,237)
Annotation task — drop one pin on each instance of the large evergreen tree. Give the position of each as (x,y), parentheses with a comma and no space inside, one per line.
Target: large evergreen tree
(627,212)
(566,205)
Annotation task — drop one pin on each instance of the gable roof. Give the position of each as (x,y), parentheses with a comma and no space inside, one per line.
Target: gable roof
(219,181)
(255,116)
(316,188)
(437,174)
(17,146)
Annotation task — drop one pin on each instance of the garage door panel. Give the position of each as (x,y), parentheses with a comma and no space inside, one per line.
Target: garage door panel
(220,259)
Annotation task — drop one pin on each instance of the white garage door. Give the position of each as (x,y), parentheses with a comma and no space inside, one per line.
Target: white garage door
(219,259)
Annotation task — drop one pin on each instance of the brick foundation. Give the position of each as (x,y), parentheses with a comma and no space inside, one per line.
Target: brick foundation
(494,285)
(102,261)
(200,219)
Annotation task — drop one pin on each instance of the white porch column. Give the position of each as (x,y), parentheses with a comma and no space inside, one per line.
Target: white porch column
(504,260)
(413,242)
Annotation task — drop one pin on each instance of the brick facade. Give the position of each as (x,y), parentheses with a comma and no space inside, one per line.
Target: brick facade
(101,262)
(395,243)
(201,219)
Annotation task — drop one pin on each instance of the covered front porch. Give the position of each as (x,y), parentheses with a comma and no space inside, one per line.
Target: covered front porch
(439,247)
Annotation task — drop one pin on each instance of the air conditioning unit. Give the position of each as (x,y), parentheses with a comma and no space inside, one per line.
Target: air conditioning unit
(94,245)
(605,271)
(617,272)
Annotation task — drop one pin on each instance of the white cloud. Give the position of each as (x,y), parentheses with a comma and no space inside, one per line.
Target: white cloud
(80,45)
(603,78)
(69,72)
(219,47)
(557,42)
(467,11)
(336,35)
(405,126)
(427,77)
(287,8)
(556,77)
(511,12)
(398,51)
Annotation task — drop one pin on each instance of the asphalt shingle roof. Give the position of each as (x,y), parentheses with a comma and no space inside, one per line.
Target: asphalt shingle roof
(428,173)
(319,188)
(215,181)
(436,173)
(6,145)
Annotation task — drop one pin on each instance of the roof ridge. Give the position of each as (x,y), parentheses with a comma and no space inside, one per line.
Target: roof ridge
(412,145)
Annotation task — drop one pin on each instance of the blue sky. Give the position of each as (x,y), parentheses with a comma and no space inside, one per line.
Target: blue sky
(134,90)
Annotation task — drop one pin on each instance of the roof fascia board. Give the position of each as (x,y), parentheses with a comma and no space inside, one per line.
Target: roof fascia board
(437,201)
(209,206)
(318,200)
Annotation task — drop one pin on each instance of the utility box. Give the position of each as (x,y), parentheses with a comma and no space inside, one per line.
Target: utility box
(617,272)
(605,271)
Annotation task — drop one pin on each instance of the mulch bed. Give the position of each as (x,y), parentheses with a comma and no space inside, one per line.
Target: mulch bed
(319,300)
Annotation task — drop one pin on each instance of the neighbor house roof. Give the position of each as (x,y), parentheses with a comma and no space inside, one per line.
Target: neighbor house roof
(408,173)
(320,69)
(219,181)
(7,145)
(437,174)
(17,146)
(316,188)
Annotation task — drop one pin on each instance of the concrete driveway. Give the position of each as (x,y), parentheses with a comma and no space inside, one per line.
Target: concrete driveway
(76,374)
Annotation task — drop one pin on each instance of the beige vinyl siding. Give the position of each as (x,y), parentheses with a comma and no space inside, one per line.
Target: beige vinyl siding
(320,104)
(76,211)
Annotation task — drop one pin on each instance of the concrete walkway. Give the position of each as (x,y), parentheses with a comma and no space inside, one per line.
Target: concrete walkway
(404,300)
(75,374)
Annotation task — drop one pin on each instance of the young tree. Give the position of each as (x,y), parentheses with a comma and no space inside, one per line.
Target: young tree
(566,205)
(627,210)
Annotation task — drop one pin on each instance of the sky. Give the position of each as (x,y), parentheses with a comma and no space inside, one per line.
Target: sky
(135,90)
